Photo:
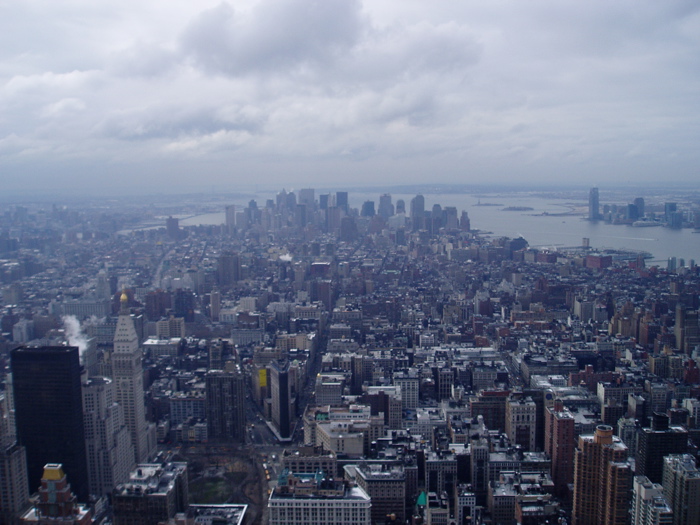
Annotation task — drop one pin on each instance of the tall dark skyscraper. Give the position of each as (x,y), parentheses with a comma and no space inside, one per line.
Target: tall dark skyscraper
(656,442)
(225,406)
(282,398)
(341,200)
(49,412)
(593,205)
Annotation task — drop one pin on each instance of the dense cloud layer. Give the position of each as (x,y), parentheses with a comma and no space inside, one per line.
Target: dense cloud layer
(104,95)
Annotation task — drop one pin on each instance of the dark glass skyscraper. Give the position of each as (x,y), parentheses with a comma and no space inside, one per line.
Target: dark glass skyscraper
(656,442)
(49,412)
(282,398)
(341,200)
(225,405)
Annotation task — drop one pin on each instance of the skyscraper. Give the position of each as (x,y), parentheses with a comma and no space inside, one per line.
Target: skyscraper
(648,503)
(660,440)
(418,212)
(127,372)
(110,454)
(559,444)
(602,479)
(386,208)
(172,228)
(307,196)
(225,406)
(681,482)
(230,219)
(228,269)
(49,412)
(14,489)
(215,304)
(593,205)
(282,398)
(341,200)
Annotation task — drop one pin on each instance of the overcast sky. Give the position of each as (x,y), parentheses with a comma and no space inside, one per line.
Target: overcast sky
(114,96)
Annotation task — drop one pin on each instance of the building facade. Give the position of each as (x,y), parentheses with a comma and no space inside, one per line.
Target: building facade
(649,507)
(127,372)
(110,454)
(657,441)
(681,483)
(225,406)
(49,412)
(153,494)
(313,499)
(602,480)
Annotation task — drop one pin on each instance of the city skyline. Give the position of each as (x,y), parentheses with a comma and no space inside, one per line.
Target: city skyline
(301,347)
(183,97)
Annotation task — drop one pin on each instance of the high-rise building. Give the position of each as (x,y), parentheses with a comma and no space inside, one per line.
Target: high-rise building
(341,200)
(14,488)
(301,215)
(228,269)
(49,412)
(681,482)
(127,372)
(386,208)
(225,406)
(669,209)
(230,219)
(348,229)
(282,398)
(649,507)
(418,212)
(559,443)
(367,209)
(110,454)
(215,304)
(183,304)
(307,196)
(400,206)
(593,205)
(386,486)
(660,440)
(172,228)
(687,328)
(521,422)
(324,201)
(602,479)
(409,383)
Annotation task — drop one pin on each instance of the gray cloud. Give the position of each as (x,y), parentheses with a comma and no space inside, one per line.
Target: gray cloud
(274,36)
(174,122)
(292,88)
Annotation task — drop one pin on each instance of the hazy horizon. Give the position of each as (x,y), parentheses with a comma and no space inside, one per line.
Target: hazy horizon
(180,97)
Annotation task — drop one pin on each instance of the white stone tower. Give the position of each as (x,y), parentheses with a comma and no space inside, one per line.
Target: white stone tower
(127,372)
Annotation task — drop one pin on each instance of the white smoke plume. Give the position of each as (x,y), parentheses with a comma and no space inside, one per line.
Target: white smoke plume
(74,333)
